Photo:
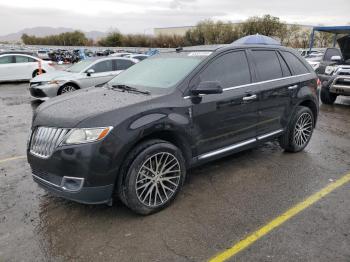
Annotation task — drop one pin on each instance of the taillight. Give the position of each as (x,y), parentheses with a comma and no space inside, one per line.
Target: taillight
(318,82)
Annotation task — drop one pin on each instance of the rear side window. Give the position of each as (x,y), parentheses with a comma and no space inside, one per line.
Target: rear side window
(230,70)
(103,66)
(6,59)
(267,64)
(285,69)
(294,63)
(124,64)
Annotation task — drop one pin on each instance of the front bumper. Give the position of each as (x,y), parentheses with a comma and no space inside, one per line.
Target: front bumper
(85,195)
(340,85)
(43,91)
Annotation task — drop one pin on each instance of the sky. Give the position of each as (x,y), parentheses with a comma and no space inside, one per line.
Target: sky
(141,16)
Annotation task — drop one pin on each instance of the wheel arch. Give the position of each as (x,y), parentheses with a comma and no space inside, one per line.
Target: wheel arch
(67,83)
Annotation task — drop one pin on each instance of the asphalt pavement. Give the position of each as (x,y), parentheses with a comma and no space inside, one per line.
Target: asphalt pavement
(221,203)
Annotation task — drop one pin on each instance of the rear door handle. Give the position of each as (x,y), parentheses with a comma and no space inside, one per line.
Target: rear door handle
(292,87)
(250,97)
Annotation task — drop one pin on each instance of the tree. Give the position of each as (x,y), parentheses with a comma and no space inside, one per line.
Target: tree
(112,39)
(266,25)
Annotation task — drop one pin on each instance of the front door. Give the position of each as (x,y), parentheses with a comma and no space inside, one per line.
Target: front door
(222,121)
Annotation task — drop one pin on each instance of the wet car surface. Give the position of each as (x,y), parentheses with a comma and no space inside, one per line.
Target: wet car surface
(220,204)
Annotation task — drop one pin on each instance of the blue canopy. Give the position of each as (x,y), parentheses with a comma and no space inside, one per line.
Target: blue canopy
(256,40)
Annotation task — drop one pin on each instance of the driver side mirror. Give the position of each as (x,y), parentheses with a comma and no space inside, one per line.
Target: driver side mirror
(207,88)
(90,72)
(336,58)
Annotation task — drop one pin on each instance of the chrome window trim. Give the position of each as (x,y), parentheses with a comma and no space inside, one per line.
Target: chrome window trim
(257,83)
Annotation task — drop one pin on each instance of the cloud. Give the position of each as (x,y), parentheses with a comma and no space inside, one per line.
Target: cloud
(139,16)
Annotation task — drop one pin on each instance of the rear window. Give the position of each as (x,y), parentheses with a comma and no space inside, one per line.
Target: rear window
(297,66)
(267,64)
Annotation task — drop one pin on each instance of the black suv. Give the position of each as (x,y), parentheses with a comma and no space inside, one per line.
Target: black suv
(136,136)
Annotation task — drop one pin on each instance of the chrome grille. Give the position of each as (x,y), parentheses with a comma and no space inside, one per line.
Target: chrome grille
(45,139)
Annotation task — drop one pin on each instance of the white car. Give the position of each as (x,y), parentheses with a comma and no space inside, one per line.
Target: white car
(86,73)
(139,57)
(120,54)
(16,67)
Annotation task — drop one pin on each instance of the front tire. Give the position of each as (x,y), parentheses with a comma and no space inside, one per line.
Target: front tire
(68,88)
(299,131)
(153,178)
(327,97)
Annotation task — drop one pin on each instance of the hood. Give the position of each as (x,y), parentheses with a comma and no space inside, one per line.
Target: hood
(69,110)
(54,75)
(344,44)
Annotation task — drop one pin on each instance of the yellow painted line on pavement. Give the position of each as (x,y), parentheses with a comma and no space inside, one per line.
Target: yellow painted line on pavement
(250,239)
(11,159)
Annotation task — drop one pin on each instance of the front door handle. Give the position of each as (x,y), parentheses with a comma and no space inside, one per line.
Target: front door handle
(250,97)
(292,87)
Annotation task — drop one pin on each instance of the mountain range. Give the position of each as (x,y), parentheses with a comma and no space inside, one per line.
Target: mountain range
(45,31)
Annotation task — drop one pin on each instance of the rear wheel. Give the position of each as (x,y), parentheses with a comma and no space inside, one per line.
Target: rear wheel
(153,178)
(326,96)
(299,130)
(68,88)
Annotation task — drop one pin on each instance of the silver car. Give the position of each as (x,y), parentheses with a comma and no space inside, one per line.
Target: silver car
(86,73)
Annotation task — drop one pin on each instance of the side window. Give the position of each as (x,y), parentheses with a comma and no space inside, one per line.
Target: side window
(230,70)
(103,66)
(123,64)
(331,52)
(21,59)
(297,66)
(32,60)
(267,64)
(6,59)
(285,69)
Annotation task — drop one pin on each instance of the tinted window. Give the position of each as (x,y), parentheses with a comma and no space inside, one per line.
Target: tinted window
(6,59)
(294,63)
(229,69)
(331,52)
(285,69)
(103,66)
(267,64)
(123,64)
(23,59)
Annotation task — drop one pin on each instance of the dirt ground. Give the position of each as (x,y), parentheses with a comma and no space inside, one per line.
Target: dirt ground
(220,204)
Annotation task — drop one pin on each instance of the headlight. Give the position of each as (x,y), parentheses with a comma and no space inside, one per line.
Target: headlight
(86,135)
(330,69)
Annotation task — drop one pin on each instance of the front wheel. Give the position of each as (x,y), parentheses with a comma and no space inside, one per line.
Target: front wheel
(68,88)
(299,130)
(154,177)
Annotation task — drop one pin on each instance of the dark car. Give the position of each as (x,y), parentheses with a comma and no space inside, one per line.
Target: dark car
(335,75)
(135,137)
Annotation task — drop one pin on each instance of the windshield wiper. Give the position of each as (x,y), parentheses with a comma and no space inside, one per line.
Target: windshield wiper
(130,89)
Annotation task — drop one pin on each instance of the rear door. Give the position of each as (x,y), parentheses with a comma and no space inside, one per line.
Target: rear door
(7,68)
(224,122)
(275,88)
(25,66)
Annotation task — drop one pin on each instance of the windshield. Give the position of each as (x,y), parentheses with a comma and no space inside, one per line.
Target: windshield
(78,67)
(159,72)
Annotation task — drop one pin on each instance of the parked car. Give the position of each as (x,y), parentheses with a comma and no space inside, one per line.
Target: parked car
(136,136)
(335,74)
(43,54)
(139,57)
(86,73)
(319,61)
(121,54)
(16,67)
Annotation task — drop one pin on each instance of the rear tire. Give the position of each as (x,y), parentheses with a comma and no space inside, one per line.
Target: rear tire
(154,173)
(327,97)
(299,131)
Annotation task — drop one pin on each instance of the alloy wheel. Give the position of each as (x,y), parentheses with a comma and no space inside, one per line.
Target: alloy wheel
(303,129)
(158,179)
(67,89)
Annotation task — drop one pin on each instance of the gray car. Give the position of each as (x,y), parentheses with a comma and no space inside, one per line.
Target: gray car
(86,73)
